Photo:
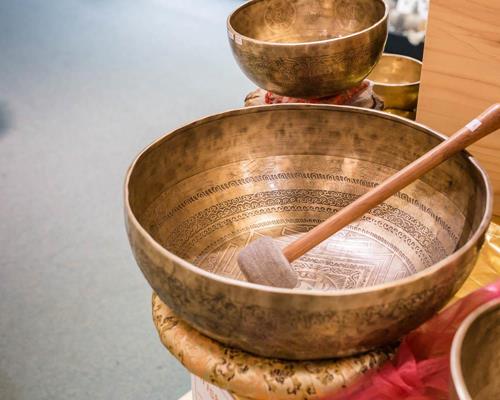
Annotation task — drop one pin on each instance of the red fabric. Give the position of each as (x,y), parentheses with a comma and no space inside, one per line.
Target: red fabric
(420,369)
(339,99)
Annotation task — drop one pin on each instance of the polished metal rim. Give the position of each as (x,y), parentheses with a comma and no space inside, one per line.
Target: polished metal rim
(481,229)
(231,29)
(410,84)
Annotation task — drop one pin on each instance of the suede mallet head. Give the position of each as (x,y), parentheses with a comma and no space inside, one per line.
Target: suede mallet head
(263,262)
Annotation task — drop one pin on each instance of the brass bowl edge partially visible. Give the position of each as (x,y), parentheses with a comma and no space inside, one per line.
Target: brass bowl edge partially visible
(460,390)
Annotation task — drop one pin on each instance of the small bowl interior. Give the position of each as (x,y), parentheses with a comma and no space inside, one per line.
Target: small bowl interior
(394,69)
(208,189)
(298,21)
(480,356)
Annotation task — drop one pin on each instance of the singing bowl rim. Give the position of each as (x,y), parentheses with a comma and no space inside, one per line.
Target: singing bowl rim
(480,231)
(395,85)
(457,377)
(249,3)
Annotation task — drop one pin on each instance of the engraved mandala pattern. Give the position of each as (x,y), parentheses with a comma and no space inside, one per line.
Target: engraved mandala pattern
(290,200)
(349,10)
(280,15)
(350,259)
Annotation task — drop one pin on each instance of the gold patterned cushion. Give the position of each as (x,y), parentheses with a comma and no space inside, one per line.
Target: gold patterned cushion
(256,377)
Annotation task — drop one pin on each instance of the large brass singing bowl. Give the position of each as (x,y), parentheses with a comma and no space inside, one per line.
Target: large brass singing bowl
(196,196)
(308,48)
(475,355)
(396,79)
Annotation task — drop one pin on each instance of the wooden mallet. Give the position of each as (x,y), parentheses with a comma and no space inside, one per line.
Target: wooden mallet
(263,262)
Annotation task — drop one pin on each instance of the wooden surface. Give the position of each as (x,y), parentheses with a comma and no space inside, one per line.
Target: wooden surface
(461,73)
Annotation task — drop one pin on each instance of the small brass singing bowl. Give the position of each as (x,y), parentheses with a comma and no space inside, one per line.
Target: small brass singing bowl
(396,79)
(475,355)
(308,48)
(198,195)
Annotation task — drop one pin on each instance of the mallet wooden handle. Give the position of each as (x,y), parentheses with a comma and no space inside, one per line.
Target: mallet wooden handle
(484,124)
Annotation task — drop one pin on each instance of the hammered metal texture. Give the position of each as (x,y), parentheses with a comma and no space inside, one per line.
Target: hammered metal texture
(201,193)
(308,48)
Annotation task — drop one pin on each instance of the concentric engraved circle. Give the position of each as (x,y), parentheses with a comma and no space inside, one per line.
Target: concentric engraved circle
(280,15)
(348,10)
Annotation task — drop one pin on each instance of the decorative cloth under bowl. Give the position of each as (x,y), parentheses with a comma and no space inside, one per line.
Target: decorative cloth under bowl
(257,378)
(360,96)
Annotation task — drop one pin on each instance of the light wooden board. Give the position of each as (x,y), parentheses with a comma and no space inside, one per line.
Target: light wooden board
(461,73)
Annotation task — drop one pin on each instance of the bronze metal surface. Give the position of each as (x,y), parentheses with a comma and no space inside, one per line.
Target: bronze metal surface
(475,355)
(396,79)
(199,194)
(308,48)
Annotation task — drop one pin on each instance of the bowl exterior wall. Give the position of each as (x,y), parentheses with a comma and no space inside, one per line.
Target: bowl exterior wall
(310,70)
(474,362)
(296,326)
(404,97)
(396,79)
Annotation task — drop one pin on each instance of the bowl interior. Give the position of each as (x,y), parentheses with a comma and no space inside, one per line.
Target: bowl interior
(395,69)
(208,189)
(294,21)
(480,356)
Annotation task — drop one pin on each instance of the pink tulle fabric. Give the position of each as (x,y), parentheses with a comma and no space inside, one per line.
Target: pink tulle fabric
(420,369)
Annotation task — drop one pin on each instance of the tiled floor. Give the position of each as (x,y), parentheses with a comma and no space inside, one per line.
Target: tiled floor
(84,85)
